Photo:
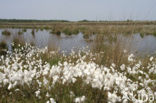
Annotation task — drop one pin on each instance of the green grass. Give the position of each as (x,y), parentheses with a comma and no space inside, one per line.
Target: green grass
(6,32)
(154,33)
(142,35)
(51,60)
(20,32)
(33,32)
(57,32)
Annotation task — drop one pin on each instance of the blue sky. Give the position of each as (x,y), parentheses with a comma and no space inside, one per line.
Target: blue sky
(78,9)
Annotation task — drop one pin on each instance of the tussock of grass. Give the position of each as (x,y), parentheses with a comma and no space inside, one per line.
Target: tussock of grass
(154,33)
(20,32)
(3,48)
(24,30)
(6,32)
(3,45)
(33,32)
(18,41)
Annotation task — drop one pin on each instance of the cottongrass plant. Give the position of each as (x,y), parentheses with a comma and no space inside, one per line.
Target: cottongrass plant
(76,78)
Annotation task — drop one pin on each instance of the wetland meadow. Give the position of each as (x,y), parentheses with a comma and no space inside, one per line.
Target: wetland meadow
(77,62)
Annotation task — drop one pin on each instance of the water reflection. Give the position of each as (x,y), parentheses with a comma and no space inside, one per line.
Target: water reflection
(137,43)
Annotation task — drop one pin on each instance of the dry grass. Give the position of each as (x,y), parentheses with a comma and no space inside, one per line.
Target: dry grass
(111,50)
(87,27)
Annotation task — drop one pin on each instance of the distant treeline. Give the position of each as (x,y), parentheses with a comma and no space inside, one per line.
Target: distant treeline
(85,20)
(34,20)
(30,20)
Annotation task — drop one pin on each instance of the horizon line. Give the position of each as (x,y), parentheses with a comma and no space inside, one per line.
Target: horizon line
(64,20)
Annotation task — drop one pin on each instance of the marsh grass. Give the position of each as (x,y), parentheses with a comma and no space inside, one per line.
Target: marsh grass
(103,29)
(142,35)
(3,45)
(52,59)
(87,28)
(107,50)
(41,28)
(24,30)
(17,40)
(46,27)
(6,32)
(61,93)
(20,32)
(3,48)
(33,32)
(67,31)
(57,32)
(154,33)
(111,50)
(70,31)
(86,36)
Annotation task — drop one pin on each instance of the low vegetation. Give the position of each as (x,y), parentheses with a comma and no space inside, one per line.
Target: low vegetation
(33,32)
(6,32)
(106,73)
(86,27)
(43,76)
(3,48)
(20,32)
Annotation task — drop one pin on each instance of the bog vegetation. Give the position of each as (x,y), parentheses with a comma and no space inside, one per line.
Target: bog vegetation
(30,74)
(86,27)
(104,74)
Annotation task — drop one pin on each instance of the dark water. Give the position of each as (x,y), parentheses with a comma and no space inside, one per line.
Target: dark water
(137,43)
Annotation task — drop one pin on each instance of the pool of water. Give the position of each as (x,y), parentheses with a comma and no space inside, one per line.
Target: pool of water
(137,43)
